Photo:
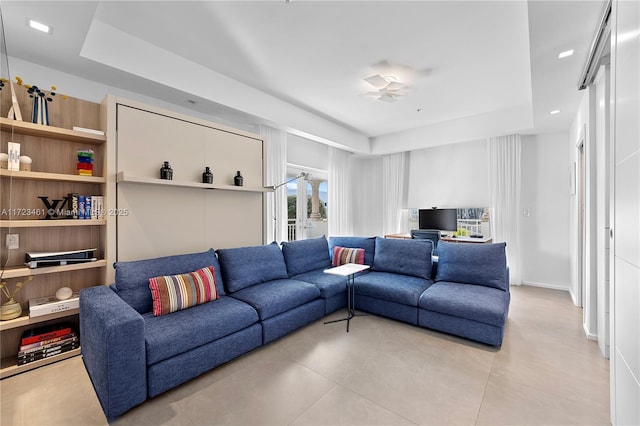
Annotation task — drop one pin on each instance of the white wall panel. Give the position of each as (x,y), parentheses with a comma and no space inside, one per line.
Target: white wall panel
(545,222)
(449,176)
(163,219)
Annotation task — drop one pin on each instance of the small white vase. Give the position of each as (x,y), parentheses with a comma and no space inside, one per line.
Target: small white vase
(10,310)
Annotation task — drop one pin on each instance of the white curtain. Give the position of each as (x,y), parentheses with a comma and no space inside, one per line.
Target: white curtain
(504,193)
(395,191)
(339,203)
(276,214)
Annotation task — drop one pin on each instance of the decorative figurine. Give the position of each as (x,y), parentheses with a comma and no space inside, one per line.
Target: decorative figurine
(207,176)
(166,172)
(237,180)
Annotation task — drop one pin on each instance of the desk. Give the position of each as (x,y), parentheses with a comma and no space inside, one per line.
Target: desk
(467,240)
(348,270)
(399,236)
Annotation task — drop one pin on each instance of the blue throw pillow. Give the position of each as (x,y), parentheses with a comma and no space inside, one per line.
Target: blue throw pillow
(246,266)
(306,255)
(407,257)
(473,263)
(366,243)
(132,278)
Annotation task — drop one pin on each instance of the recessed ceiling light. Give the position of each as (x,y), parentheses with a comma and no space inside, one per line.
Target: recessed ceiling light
(565,54)
(555,111)
(39,26)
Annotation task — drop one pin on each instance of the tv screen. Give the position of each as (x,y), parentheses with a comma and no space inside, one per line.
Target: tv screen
(441,219)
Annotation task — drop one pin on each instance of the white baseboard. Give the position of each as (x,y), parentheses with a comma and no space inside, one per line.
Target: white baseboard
(550,286)
(588,333)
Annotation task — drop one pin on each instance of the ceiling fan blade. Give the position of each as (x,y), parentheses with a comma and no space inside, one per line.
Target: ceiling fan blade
(376,81)
(387,98)
(394,85)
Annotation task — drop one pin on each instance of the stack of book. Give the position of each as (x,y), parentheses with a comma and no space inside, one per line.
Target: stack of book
(85,162)
(47,341)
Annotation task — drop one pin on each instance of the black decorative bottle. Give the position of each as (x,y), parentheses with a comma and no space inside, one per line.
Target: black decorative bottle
(237,180)
(207,176)
(166,172)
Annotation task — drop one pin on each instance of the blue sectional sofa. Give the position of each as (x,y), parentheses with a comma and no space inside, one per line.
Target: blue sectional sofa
(268,291)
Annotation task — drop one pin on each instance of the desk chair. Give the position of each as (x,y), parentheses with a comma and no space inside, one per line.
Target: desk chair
(427,234)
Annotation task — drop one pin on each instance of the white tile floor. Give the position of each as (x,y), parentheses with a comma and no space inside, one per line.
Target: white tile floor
(381,373)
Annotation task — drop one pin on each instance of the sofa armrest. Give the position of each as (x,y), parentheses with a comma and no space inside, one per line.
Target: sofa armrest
(113,349)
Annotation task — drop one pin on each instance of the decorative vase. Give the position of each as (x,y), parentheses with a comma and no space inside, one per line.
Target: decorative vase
(166,172)
(238,179)
(207,176)
(10,310)
(40,111)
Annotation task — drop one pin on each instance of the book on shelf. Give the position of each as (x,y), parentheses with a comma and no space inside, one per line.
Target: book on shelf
(48,347)
(39,345)
(85,130)
(51,305)
(45,332)
(48,353)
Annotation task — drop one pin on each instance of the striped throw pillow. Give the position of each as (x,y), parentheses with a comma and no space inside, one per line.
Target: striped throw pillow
(343,255)
(176,292)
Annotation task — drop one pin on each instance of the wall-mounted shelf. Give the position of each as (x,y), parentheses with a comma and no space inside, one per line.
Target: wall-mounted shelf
(27,320)
(52,223)
(50,132)
(123,177)
(57,177)
(25,272)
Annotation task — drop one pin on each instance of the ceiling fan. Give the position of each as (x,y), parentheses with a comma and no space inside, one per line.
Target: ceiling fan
(388,89)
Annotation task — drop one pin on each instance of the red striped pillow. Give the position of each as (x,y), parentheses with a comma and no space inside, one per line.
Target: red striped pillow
(176,292)
(343,255)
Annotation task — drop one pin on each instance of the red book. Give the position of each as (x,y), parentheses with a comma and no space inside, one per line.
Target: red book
(46,342)
(45,333)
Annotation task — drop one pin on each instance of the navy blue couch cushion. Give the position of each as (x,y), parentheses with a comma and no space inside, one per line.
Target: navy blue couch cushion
(481,264)
(366,243)
(277,296)
(407,257)
(170,335)
(329,285)
(403,289)
(473,302)
(306,255)
(246,266)
(132,278)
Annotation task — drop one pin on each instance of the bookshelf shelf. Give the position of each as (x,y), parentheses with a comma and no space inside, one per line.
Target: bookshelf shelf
(25,272)
(27,320)
(50,132)
(39,223)
(123,177)
(56,177)
(9,366)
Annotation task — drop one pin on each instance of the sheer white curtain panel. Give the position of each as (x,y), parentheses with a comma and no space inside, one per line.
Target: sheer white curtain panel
(339,203)
(276,202)
(395,190)
(504,160)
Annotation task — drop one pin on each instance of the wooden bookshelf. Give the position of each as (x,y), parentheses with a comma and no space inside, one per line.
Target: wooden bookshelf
(53,150)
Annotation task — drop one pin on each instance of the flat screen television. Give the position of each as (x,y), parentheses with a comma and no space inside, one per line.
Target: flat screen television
(441,219)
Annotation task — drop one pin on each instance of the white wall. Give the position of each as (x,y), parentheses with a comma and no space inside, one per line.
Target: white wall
(449,176)
(545,194)
(307,153)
